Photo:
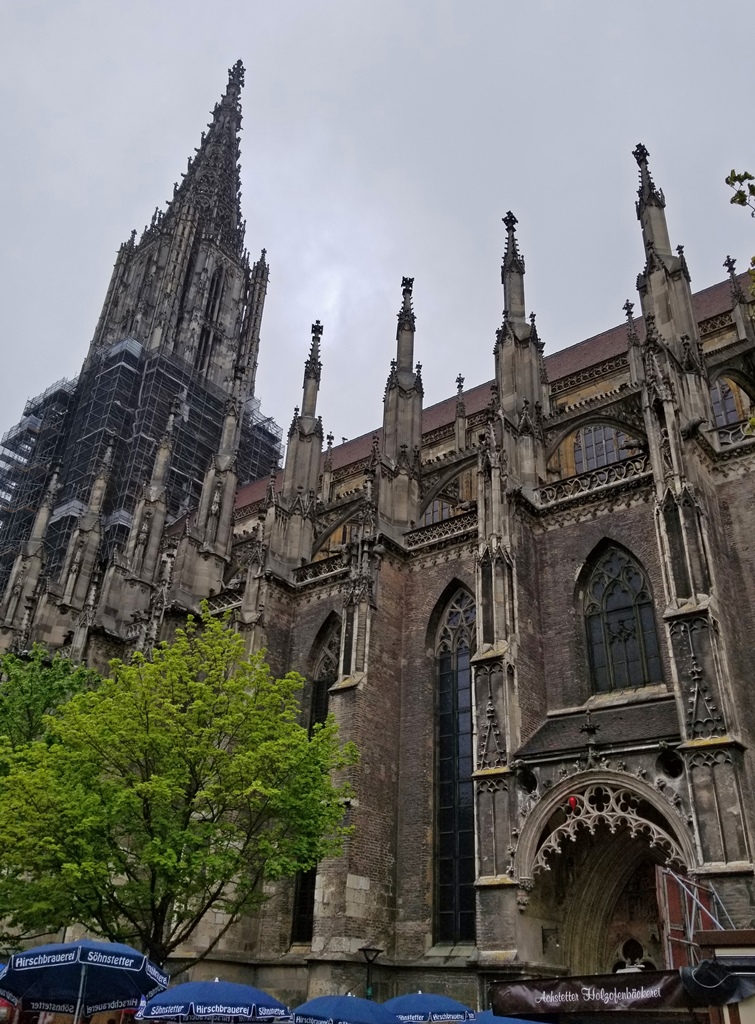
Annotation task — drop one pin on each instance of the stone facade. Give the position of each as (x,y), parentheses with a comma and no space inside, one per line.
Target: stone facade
(531,606)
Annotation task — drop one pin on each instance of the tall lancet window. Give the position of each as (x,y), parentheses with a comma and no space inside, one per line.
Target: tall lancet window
(323,677)
(622,638)
(455,841)
(207,336)
(724,404)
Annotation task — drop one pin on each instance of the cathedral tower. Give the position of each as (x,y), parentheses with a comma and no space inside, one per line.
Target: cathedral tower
(177,341)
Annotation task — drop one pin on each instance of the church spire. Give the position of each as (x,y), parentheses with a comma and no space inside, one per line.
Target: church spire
(212,182)
(187,284)
(302,467)
(405,335)
(512,275)
(399,491)
(650,206)
(312,371)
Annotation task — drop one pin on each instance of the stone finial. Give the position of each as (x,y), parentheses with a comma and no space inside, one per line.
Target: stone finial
(313,366)
(460,409)
(236,74)
(294,422)
(628,308)
(736,289)
(534,336)
(512,258)
(648,194)
(406,318)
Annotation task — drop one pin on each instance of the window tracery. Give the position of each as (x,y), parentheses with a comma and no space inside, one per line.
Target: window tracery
(725,409)
(323,677)
(455,845)
(621,633)
(600,445)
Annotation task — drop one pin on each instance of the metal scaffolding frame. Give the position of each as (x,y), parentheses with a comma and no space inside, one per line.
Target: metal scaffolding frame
(123,397)
(27,452)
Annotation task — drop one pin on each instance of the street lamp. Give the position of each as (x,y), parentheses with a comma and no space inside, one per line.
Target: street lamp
(370,954)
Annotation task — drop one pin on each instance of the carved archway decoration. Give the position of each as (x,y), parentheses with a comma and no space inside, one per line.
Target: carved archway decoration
(667,824)
(438,479)
(617,807)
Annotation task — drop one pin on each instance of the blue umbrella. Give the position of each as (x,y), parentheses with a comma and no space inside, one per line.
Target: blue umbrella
(203,1000)
(488,1017)
(419,1007)
(343,1010)
(80,978)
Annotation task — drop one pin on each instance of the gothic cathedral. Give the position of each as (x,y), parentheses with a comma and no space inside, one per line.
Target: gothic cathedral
(530,605)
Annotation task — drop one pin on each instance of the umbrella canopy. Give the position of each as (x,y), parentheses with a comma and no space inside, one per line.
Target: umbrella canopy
(343,1010)
(418,1007)
(202,1000)
(488,1017)
(83,977)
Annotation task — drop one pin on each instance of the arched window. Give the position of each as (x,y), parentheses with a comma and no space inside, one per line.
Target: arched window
(439,510)
(214,295)
(325,674)
(206,344)
(621,636)
(724,404)
(599,446)
(455,846)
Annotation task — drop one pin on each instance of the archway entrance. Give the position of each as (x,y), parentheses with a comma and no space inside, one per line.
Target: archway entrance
(606,884)
(594,850)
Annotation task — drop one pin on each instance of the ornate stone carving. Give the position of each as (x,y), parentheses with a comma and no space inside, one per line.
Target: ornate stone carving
(454,528)
(709,758)
(704,719)
(603,804)
(491,749)
(492,784)
(588,375)
(734,433)
(715,323)
(526,885)
(617,472)
(317,570)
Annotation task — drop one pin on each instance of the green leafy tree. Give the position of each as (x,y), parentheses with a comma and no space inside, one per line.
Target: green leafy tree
(32,688)
(174,789)
(743,185)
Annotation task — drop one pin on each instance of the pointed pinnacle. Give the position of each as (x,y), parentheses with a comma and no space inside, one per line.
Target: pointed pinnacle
(736,289)
(647,192)
(212,181)
(313,366)
(512,258)
(236,74)
(406,319)
(628,308)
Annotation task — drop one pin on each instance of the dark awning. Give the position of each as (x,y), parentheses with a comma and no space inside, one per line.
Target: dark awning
(727,979)
(643,990)
(711,983)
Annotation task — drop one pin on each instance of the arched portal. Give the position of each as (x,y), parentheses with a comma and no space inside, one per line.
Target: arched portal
(588,856)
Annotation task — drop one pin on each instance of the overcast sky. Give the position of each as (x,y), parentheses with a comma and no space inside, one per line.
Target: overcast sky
(381,139)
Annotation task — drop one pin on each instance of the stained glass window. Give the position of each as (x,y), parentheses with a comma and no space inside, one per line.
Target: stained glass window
(325,674)
(621,635)
(724,406)
(599,446)
(455,846)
